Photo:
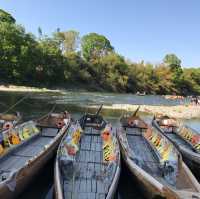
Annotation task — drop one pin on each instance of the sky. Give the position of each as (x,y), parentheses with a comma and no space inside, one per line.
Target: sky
(138,29)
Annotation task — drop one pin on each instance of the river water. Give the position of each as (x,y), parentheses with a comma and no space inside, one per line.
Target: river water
(37,104)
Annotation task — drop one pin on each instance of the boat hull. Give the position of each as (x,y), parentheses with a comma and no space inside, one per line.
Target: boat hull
(26,174)
(192,161)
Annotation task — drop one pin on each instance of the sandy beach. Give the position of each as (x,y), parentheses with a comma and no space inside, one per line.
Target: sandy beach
(13,88)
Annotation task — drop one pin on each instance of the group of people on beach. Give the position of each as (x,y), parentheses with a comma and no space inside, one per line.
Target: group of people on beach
(193,100)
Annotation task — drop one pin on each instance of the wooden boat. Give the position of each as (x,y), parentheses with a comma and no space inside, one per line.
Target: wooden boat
(154,161)
(27,147)
(9,120)
(186,139)
(88,161)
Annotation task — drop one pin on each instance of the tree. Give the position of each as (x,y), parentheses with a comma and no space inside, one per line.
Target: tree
(6,17)
(172,61)
(69,40)
(95,46)
(51,62)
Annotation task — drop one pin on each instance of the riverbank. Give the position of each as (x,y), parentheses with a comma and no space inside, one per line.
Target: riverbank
(178,111)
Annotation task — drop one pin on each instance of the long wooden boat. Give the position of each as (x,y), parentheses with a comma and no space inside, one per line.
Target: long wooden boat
(186,139)
(88,161)
(154,162)
(27,147)
(9,120)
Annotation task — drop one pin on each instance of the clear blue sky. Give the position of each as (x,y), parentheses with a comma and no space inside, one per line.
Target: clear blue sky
(138,29)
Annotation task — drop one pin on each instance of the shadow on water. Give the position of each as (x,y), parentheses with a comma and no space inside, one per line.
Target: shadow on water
(41,186)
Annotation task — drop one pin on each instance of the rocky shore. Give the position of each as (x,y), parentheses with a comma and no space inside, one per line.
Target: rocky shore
(179,111)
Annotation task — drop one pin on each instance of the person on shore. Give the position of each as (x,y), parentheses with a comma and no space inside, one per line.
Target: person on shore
(195,100)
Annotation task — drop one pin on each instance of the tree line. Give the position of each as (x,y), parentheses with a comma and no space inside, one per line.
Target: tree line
(67,60)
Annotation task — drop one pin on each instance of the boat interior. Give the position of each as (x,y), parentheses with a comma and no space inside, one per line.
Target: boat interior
(145,155)
(16,156)
(178,140)
(88,175)
(181,136)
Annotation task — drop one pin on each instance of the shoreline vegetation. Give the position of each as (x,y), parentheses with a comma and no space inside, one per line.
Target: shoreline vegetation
(64,59)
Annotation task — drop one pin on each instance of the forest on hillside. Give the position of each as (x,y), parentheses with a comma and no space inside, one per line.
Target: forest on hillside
(66,60)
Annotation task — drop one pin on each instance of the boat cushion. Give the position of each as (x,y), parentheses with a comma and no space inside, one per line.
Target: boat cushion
(70,145)
(165,150)
(109,144)
(18,134)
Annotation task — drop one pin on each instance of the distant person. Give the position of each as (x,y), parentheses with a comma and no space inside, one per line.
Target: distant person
(198,101)
(195,100)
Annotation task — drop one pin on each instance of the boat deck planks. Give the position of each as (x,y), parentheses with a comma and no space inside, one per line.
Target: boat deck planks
(49,132)
(88,181)
(18,157)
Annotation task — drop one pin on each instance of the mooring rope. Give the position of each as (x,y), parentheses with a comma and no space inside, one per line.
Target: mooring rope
(14,105)
(48,114)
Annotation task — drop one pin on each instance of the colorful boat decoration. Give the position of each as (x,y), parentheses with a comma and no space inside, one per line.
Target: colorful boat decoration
(186,139)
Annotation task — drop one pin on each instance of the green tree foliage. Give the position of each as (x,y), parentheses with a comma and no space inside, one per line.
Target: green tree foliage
(172,61)
(15,51)
(6,17)
(69,40)
(95,46)
(111,72)
(55,61)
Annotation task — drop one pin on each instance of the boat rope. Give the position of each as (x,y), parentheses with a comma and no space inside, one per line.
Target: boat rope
(14,105)
(2,104)
(48,114)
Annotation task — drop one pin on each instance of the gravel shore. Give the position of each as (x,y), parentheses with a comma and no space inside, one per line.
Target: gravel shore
(179,111)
